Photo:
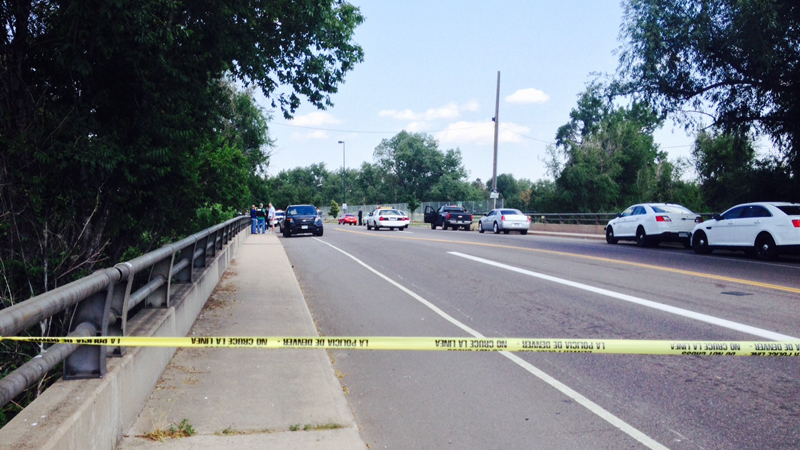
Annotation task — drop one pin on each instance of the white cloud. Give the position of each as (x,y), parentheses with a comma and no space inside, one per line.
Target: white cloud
(480,133)
(529,95)
(471,105)
(448,111)
(415,127)
(315,119)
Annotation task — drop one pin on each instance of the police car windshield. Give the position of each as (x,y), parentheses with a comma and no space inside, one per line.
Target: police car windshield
(303,211)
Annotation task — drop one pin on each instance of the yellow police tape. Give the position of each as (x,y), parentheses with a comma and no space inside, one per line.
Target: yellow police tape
(601,346)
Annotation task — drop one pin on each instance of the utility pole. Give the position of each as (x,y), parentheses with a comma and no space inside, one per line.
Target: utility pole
(496,119)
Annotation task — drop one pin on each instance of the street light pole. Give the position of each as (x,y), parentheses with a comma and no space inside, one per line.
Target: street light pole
(344,177)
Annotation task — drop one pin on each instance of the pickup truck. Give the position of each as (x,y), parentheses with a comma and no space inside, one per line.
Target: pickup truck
(449,216)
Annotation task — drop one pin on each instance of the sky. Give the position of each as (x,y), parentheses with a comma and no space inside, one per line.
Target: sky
(431,66)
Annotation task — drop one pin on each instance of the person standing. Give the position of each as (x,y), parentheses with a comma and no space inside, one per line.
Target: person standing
(253,219)
(262,219)
(271,218)
(359,217)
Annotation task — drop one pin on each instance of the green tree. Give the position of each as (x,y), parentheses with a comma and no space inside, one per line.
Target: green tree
(108,111)
(610,155)
(735,61)
(515,193)
(724,164)
(334,209)
(120,128)
(413,165)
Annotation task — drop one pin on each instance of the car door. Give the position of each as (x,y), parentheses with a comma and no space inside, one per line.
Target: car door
(638,218)
(623,224)
(748,225)
(429,216)
(723,231)
(486,221)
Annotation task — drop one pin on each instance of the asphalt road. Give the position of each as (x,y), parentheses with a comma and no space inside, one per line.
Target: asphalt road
(423,282)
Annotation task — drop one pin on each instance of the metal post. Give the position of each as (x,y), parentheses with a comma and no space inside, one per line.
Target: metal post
(344,177)
(496,127)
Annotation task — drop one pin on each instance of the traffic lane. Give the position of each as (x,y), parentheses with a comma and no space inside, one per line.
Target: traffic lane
(762,307)
(736,264)
(406,399)
(684,392)
(611,376)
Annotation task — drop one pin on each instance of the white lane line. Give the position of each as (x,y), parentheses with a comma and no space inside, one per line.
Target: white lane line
(564,389)
(639,301)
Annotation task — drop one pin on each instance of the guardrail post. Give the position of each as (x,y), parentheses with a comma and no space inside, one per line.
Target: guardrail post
(186,274)
(219,237)
(160,297)
(118,317)
(211,244)
(89,361)
(202,244)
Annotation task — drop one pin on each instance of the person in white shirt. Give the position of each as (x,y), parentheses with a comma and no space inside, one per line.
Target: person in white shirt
(271,217)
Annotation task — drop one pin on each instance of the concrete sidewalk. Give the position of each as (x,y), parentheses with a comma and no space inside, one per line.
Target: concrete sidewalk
(250,398)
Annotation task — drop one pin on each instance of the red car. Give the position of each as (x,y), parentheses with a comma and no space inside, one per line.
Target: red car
(348,218)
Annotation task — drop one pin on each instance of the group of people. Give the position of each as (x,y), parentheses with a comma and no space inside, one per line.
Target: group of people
(261,219)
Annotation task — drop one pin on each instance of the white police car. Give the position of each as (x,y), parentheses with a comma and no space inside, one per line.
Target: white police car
(387,217)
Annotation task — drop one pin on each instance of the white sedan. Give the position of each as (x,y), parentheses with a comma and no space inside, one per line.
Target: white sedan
(387,218)
(652,223)
(764,229)
(505,220)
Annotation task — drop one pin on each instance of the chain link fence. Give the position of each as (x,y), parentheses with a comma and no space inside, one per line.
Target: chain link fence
(475,207)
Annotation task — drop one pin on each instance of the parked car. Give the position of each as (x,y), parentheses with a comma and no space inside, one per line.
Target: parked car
(302,219)
(348,219)
(279,216)
(387,218)
(763,229)
(653,223)
(448,216)
(505,220)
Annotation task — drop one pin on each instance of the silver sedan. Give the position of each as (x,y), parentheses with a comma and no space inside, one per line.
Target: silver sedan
(505,220)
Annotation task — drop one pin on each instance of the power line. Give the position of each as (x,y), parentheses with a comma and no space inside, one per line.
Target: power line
(527,137)
(375,132)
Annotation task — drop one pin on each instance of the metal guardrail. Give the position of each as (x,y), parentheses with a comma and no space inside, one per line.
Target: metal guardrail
(572,218)
(103,302)
(580,218)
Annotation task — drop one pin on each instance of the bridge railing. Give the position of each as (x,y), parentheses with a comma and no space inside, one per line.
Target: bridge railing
(104,301)
(571,218)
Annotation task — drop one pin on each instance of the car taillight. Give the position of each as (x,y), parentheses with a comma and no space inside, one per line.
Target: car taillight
(382,218)
(502,218)
(528,217)
(698,219)
(663,219)
(448,216)
(796,223)
(406,218)
(470,217)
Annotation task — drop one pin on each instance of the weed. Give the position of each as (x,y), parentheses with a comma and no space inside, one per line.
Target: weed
(309,427)
(184,429)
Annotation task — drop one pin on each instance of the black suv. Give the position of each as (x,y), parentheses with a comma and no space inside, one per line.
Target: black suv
(302,219)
